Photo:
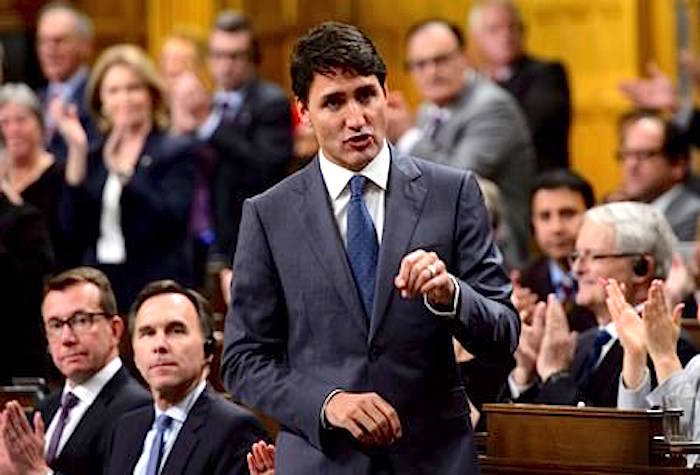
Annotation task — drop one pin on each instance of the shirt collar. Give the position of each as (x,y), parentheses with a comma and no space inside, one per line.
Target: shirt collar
(558,276)
(610,328)
(337,177)
(88,391)
(180,410)
(663,201)
(66,88)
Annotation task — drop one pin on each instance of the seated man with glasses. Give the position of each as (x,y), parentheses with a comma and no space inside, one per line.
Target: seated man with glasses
(654,159)
(629,242)
(72,432)
(465,122)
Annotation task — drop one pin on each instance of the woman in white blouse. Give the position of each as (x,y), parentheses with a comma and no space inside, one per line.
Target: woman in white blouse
(128,198)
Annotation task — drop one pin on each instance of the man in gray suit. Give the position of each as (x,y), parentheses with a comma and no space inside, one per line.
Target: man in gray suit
(466,121)
(654,159)
(352,277)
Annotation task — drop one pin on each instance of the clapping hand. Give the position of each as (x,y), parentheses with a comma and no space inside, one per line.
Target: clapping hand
(261,459)
(25,446)
(558,343)
(662,331)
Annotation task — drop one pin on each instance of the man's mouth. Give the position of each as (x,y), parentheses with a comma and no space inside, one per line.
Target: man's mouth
(359,140)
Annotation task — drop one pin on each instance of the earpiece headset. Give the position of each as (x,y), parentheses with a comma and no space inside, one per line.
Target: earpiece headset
(640,266)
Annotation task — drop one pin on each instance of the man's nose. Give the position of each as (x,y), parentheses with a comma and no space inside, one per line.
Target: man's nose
(356,116)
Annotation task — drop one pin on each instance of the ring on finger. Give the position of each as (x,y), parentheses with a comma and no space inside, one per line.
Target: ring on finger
(431,268)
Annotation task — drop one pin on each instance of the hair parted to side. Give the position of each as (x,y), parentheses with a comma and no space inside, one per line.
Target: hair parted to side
(21,94)
(83,23)
(167,286)
(675,145)
(232,21)
(85,275)
(563,178)
(136,59)
(329,48)
(453,27)
(638,228)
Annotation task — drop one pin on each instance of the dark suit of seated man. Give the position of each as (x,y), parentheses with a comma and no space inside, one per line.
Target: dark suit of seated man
(189,430)
(83,329)
(626,241)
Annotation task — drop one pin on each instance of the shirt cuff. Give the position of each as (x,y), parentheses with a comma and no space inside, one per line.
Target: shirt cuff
(634,398)
(324,422)
(516,390)
(408,140)
(455,301)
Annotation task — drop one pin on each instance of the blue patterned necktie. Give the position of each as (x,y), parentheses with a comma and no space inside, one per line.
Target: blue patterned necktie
(156,454)
(363,247)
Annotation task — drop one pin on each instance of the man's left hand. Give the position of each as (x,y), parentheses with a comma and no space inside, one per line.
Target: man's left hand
(558,343)
(25,446)
(423,272)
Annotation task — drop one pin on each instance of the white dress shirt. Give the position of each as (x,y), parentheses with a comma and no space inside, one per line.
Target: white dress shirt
(178,413)
(111,248)
(86,392)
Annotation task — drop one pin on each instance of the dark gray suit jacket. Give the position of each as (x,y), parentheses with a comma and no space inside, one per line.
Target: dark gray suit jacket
(682,214)
(87,449)
(296,329)
(487,133)
(213,440)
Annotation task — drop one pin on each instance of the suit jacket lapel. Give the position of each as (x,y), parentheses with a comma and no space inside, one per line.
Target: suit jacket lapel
(85,430)
(137,434)
(326,243)
(187,439)
(404,200)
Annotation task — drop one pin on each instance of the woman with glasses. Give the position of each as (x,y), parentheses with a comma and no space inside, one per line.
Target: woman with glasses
(127,201)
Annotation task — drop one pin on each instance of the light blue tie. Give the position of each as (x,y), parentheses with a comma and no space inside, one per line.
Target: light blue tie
(363,247)
(162,423)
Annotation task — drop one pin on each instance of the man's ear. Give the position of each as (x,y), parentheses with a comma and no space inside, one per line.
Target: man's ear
(117,325)
(303,111)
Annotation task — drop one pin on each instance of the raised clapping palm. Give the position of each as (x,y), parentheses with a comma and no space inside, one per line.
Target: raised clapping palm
(662,326)
(261,459)
(558,343)
(628,324)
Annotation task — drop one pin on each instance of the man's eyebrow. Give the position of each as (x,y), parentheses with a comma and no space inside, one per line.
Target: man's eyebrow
(332,95)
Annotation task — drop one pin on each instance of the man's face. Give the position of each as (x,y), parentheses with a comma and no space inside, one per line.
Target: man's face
(229,59)
(646,172)
(61,51)
(83,349)
(348,115)
(177,56)
(556,219)
(437,64)
(169,345)
(498,36)
(595,240)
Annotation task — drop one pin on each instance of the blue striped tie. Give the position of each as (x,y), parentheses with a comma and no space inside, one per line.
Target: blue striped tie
(363,247)
(156,453)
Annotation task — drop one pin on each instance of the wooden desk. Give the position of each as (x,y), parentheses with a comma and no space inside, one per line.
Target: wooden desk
(526,438)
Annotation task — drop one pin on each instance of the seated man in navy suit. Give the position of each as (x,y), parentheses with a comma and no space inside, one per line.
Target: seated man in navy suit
(351,278)
(83,330)
(189,430)
(626,241)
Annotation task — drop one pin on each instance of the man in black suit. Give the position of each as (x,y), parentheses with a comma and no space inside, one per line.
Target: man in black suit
(631,243)
(250,128)
(83,329)
(558,200)
(64,43)
(541,87)
(189,430)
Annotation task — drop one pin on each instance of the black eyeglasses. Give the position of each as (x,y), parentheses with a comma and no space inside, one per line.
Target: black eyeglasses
(79,322)
(590,256)
(440,60)
(234,55)
(641,155)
